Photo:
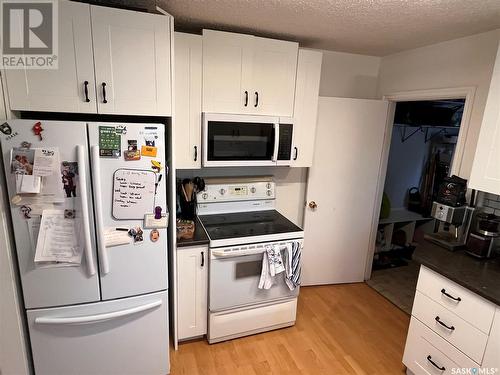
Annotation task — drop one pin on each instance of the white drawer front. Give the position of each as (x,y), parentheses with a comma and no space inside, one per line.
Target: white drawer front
(424,346)
(449,326)
(467,305)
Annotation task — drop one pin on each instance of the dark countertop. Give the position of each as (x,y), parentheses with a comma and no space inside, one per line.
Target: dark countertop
(479,276)
(200,237)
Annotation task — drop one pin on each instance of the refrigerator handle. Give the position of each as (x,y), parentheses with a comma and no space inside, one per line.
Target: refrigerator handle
(96,174)
(85,209)
(97,317)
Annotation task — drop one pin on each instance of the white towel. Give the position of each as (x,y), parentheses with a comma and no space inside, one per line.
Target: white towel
(272,265)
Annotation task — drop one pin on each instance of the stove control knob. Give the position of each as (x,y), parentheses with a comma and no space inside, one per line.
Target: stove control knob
(222,191)
(268,185)
(204,196)
(253,189)
(269,192)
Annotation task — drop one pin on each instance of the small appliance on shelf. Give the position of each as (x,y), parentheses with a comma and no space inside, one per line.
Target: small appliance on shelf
(484,238)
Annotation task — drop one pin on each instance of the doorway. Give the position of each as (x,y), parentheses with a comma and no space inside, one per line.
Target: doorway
(424,146)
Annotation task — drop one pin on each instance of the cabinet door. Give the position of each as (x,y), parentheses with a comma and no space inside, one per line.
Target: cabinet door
(192,271)
(132,62)
(273,77)
(227,59)
(62,89)
(306,107)
(187,91)
(485,174)
(491,358)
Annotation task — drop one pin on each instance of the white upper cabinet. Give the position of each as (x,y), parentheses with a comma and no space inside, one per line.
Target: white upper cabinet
(485,174)
(306,107)
(132,62)
(247,74)
(127,51)
(62,89)
(187,92)
(274,69)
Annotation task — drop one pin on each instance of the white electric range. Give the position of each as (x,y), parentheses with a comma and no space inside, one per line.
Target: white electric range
(240,219)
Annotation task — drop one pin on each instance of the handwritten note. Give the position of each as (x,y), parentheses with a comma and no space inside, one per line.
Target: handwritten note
(133,193)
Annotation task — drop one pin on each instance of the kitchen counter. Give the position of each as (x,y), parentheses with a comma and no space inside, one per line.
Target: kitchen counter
(479,276)
(200,237)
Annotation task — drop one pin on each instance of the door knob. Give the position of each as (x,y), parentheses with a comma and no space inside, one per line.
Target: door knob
(313,205)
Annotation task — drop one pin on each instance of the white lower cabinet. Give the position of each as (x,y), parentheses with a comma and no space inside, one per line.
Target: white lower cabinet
(450,328)
(192,281)
(492,354)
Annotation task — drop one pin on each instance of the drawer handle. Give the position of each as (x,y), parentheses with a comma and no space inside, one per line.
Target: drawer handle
(429,358)
(458,299)
(451,328)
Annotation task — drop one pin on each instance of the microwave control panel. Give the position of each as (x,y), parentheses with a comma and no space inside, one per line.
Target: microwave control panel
(237,192)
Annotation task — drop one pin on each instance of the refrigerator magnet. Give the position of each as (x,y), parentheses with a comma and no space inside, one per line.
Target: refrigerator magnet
(131,155)
(109,142)
(156,166)
(151,223)
(37,129)
(154,235)
(150,151)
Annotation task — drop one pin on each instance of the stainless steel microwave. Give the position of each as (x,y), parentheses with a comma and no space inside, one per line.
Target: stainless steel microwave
(245,140)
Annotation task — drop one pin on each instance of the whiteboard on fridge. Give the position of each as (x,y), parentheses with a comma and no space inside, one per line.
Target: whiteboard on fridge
(133,193)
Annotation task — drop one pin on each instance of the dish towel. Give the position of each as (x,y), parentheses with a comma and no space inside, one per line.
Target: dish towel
(292,265)
(272,264)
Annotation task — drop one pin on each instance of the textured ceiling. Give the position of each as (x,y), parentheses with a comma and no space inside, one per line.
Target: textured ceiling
(372,27)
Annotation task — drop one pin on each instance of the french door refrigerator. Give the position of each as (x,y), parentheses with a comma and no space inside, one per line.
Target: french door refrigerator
(104,309)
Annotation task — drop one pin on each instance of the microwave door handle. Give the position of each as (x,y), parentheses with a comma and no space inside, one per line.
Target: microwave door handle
(276,127)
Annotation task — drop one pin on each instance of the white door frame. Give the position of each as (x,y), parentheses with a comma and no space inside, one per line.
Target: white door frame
(466,93)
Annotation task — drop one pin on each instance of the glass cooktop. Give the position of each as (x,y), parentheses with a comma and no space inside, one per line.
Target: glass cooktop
(246,224)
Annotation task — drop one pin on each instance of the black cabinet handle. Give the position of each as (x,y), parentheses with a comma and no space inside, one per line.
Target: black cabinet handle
(296,153)
(256,99)
(429,358)
(246,98)
(458,299)
(451,328)
(195,153)
(202,258)
(86,90)
(104,93)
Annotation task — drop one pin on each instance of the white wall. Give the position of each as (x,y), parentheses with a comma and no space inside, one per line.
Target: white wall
(13,356)
(349,75)
(457,63)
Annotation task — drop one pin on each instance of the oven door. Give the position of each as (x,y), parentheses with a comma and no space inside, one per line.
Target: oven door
(235,140)
(234,282)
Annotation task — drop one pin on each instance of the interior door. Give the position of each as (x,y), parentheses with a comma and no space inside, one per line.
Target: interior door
(61,89)
(132,61)
(227,59)
(136,267)
(273,77)
(342,189)
(54,285)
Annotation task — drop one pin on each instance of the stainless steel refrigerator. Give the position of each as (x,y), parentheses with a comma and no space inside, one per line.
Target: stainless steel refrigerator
(91,243)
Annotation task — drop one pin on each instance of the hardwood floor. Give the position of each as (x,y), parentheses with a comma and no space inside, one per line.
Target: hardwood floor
(340,329)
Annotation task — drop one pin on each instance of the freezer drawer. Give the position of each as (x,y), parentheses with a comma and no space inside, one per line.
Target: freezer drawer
(126,336)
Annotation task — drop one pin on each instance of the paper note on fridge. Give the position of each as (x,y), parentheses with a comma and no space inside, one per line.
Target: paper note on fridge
(133,193)
(46,161)
(58,239)
(28,184)
(113,237)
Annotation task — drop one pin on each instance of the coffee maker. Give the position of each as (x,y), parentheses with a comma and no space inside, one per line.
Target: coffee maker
(451,226)
(484,237)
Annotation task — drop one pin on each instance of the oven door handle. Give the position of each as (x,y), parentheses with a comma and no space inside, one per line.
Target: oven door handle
(276,127)
(222,254)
